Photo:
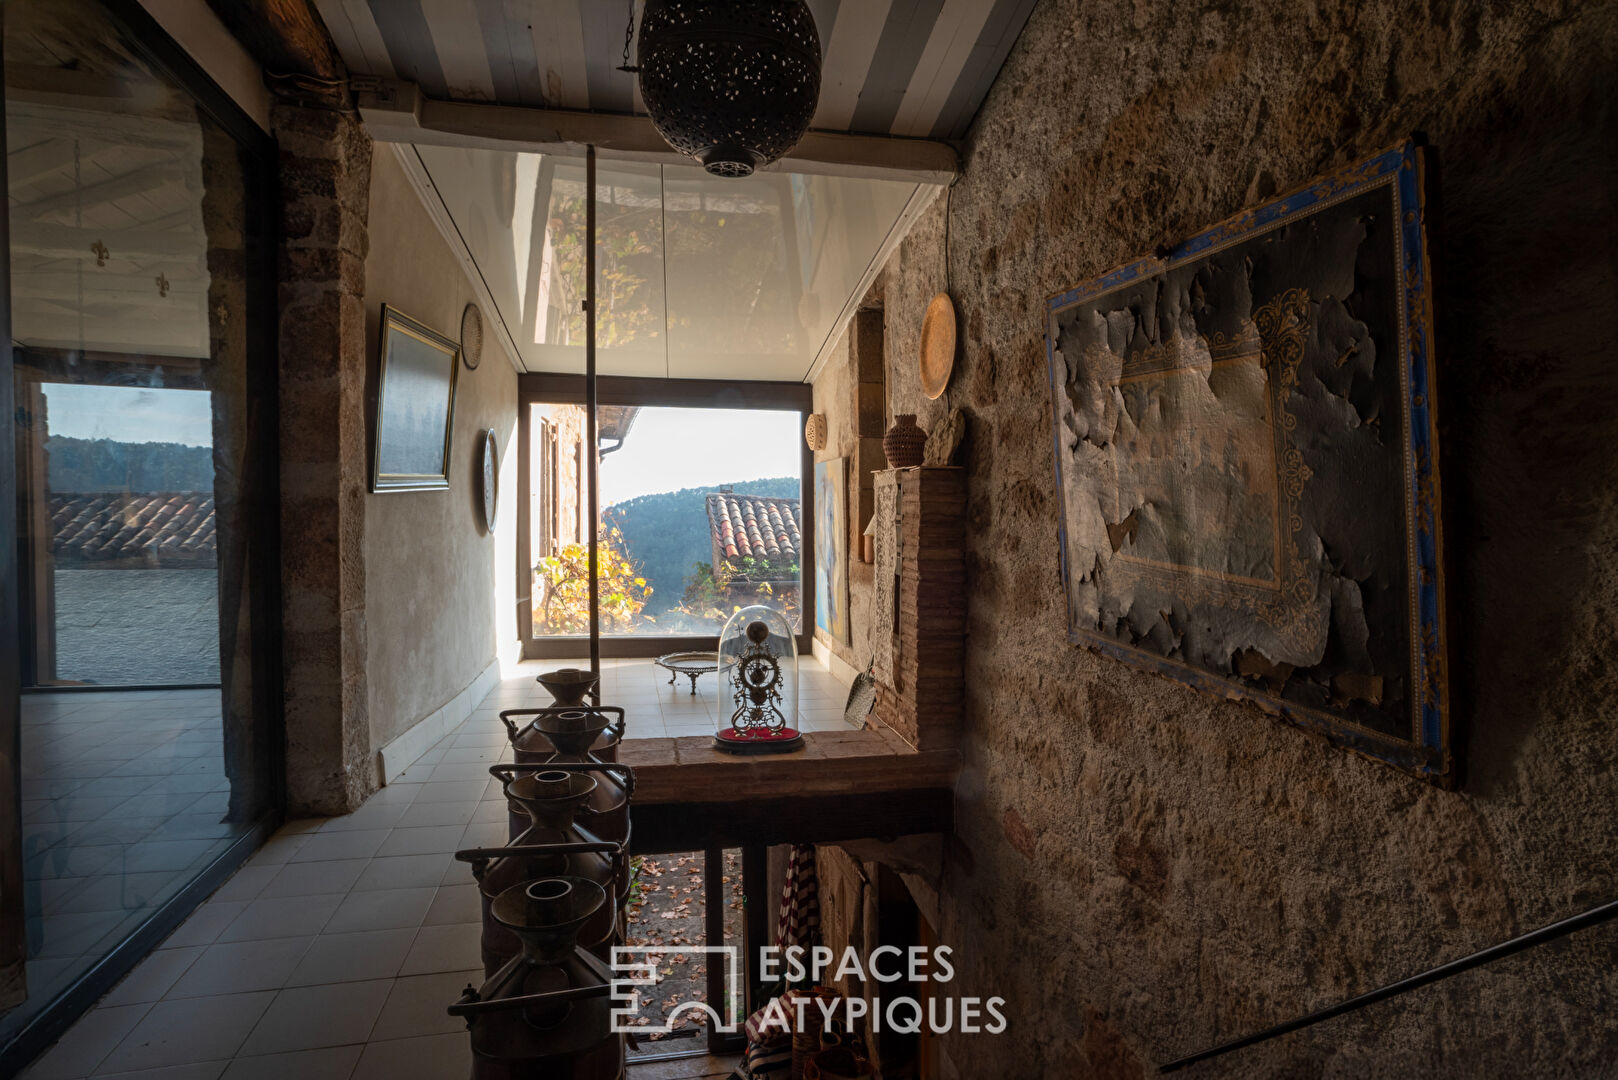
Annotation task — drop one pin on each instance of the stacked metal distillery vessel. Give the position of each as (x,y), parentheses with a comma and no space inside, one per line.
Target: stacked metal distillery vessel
(554,899)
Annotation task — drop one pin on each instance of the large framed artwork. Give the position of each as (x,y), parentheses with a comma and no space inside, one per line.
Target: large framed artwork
(831,548)
(1246,463)
(415,406)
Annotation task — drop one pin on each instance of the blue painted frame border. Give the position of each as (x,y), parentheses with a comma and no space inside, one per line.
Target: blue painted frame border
(1427,752)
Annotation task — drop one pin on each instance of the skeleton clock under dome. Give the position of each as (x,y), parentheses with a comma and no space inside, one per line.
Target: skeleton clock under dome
(757,711)
(732,83)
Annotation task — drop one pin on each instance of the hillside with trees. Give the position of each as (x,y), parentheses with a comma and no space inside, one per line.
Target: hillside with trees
(92,465)
(666,534)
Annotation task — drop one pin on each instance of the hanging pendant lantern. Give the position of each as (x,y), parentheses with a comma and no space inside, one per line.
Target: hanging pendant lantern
(732,83)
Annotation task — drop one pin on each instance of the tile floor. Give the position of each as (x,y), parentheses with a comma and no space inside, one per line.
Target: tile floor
(333,952)
(122,795)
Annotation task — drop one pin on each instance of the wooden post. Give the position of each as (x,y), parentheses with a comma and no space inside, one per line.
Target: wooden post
(755,912)
(713,896)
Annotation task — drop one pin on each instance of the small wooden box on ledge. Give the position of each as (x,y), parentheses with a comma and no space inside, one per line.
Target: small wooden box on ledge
(923,705)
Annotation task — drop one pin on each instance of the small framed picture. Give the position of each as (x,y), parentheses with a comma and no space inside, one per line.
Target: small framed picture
(415,406)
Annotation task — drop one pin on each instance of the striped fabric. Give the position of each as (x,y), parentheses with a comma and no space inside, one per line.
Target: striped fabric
(765,1059)
(891,67)
(799,923)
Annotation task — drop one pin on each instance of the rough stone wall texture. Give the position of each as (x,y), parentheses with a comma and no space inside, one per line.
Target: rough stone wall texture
(441,591)
(325,178)
(1143,870)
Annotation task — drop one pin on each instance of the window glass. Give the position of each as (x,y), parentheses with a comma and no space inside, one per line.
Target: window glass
(700,515)
(136,234)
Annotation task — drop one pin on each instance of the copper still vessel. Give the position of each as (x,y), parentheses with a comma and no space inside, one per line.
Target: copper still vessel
(547,1010)
(574,736)
(555,843)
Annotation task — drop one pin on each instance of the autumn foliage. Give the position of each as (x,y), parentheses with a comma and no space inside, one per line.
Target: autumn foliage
(562,589)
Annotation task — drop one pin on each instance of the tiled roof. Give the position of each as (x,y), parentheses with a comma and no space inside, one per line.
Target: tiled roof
(757,527)
(166,529)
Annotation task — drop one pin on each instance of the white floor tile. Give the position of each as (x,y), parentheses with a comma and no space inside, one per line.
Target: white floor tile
(417,1005)
(430,1057)
(201,1070)
(328,1063)
(205,924)
(334,876)
(241,967)
(347,844)
(189,1030)
(153,976)
(455,904)
(307,1017)
(335,958)
(381,909)
(428,841)
(460,791)
(443,948)
(87,1043)
(287,916)
(427,814)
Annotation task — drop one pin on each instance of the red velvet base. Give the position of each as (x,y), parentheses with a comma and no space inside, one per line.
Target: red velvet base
(762,742)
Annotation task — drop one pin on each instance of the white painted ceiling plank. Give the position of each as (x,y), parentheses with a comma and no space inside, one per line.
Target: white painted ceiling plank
(849,49)
(942,61)
(559,47)
(358,41)
(342,33)
(458,39)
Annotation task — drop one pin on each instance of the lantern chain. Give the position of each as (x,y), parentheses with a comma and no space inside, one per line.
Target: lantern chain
(629,40)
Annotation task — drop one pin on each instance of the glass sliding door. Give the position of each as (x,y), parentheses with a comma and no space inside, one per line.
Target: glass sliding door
(142,365)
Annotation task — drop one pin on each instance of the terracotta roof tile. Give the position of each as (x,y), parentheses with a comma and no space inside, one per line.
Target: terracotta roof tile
(756,527)
(165,529)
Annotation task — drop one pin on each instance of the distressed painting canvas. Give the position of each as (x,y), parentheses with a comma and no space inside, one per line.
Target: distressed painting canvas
(1245,454)
(831,549)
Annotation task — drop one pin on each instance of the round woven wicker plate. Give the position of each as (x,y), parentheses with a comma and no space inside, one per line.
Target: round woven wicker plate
(937,345)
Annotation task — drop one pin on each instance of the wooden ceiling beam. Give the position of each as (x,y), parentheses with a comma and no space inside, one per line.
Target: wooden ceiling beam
(291,43)
(396,111)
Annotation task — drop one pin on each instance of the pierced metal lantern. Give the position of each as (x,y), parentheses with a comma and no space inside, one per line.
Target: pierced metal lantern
(757,709)
(732,83)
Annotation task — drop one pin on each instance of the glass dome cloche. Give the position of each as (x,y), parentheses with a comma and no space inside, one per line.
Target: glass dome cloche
(757,710)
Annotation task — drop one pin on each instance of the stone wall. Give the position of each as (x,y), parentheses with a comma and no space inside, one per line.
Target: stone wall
(325,182)
(1142,870)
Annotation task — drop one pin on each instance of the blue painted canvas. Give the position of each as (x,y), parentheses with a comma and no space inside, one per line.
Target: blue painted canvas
(831,548)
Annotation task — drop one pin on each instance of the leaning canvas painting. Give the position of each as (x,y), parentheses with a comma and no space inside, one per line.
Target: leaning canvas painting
(831,549)
(1245,449)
